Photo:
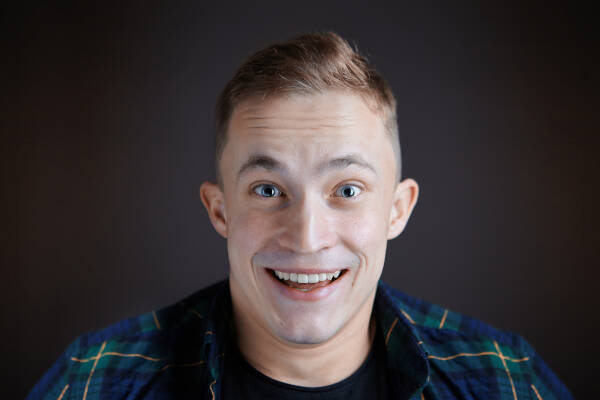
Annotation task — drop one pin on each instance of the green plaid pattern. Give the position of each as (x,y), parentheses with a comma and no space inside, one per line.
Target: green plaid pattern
(178,352)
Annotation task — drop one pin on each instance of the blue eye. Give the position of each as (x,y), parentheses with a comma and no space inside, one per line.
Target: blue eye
(348,191)
(266,190)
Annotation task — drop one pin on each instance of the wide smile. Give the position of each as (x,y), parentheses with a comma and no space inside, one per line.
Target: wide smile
(307,286)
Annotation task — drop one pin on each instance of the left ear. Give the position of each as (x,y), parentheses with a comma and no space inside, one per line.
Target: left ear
(405,198)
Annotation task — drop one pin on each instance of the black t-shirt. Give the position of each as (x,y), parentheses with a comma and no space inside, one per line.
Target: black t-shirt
(369,381)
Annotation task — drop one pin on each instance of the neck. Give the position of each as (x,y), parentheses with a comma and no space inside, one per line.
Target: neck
(306,365)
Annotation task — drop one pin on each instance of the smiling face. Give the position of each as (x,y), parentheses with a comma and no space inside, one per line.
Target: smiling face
(309,193)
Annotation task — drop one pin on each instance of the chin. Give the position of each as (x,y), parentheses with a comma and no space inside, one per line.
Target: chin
(306,332)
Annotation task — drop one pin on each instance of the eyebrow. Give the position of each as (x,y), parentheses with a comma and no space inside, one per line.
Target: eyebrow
(346,161)
(271,164)
(260,161)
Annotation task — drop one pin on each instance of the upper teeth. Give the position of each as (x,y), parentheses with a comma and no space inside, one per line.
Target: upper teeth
(307,278)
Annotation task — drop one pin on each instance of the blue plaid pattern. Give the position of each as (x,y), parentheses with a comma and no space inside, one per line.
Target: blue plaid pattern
(177,352)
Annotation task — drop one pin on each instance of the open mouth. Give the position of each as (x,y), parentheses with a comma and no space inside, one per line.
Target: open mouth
(307,282)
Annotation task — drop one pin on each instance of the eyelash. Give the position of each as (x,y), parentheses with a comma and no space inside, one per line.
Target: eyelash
(281,193)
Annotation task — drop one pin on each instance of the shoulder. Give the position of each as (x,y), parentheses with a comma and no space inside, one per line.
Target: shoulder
(154,332)
(463,350)
(131,352)
(434,320)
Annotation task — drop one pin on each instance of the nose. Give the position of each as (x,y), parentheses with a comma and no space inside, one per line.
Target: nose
(307,226)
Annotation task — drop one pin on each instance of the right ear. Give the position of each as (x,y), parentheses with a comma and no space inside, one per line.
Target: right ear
(214,200)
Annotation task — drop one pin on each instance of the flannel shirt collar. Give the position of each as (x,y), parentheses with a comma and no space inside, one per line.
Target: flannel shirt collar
(406,353)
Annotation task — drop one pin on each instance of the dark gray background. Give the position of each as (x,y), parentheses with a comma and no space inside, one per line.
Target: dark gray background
(107,135)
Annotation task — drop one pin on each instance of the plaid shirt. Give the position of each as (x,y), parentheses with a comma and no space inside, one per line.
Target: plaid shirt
(178,352)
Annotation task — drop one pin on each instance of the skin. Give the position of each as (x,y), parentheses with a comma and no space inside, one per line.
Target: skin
(324,216)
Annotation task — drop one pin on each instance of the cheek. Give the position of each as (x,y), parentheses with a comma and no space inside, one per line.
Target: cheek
(247,233)
(366,231)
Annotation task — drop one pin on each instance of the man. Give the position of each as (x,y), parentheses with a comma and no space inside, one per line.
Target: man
(308,193)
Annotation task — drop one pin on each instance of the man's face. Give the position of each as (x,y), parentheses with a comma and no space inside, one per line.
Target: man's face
(309,189)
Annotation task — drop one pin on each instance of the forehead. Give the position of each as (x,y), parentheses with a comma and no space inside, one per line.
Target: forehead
(330,116)
(304,133)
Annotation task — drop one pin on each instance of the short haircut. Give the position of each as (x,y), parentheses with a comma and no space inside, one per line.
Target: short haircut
(307,64)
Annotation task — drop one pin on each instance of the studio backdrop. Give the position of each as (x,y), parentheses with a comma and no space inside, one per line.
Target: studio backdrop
(107,132)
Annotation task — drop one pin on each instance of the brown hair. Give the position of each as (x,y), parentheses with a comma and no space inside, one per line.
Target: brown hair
(306,64)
